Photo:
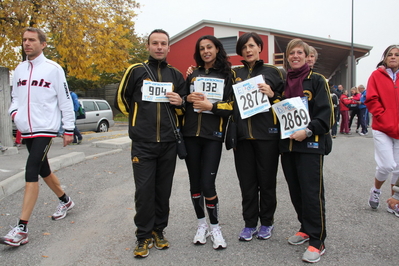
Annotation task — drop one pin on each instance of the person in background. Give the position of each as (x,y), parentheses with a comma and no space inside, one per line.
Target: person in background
(344,101)
(335,101)
(393,202)
(77,137)
(381,101)
(36,111)
(302,154)
(204,129)
(256,155)
(153,151)
(312,57)
(355,97)
(362,111)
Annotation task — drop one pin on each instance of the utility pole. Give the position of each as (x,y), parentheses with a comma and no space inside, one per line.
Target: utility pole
(352,63)
(5,101)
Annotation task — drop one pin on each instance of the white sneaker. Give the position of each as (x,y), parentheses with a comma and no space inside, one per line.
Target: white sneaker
(217,238)
(201,235)
(374,199)
(62,209)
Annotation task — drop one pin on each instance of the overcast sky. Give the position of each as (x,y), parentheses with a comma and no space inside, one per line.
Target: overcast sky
(375,21)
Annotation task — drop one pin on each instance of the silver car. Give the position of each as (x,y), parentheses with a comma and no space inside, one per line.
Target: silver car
(99,115)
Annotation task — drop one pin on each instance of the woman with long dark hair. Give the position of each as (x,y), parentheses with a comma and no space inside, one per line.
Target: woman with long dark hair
(208,106)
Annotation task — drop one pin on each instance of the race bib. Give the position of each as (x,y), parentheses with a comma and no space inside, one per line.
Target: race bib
(156,91)
(249,99)
(212,88)
(293,115)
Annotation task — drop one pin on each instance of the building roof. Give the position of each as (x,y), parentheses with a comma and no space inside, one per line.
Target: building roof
(331,52)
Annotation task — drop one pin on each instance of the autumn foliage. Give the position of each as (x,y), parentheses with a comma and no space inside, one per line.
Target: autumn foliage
(90,39)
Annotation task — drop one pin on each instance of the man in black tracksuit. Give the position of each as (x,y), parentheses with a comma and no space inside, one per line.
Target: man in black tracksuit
(154,146)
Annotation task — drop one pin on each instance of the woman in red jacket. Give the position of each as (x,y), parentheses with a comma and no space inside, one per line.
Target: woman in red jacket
(344,110)
(382,100)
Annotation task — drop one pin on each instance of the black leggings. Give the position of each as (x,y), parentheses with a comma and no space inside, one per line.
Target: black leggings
(37,163)
(203,158)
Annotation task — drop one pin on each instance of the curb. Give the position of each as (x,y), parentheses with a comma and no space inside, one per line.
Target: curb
(17,181)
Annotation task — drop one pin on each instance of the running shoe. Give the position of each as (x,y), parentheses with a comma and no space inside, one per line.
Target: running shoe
(313,254)
(16,237)
(394,211)
(62,209)
(265,232)
(298,239)
(201,235)
(142,248)
(160,241)
(247,233)
(374,200)
(217,238)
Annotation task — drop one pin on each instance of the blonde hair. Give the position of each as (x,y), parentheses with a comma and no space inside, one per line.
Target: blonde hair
(313,51)
(291,45)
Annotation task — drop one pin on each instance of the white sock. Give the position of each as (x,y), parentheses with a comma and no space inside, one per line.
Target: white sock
(202,221)
(214,226)
(376,190)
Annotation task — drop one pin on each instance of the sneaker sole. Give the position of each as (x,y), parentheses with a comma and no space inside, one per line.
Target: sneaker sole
(158,247)
(22,242)
(144,255)
(374,208)
(316,260)
(263,237)
(219,247)
(298,243)
(63,216)
(198,242)
(393,212)
(245,239)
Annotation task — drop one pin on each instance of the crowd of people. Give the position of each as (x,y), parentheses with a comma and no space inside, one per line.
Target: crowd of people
(200,108)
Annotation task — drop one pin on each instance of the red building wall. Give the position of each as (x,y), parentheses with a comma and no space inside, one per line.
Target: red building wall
(181,53)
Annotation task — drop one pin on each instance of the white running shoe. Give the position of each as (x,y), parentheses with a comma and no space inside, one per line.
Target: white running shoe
(62,209)
(217,238)
(374,199)
(201,235)
(15,237)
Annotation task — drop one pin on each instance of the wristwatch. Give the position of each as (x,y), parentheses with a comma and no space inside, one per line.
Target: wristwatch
(309,132)
(183,100)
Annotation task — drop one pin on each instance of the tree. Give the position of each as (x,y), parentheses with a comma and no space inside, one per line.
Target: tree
(91,39)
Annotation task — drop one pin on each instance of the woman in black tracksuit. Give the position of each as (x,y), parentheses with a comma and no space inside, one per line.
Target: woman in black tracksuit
(203,128)
(256,155)
(302,154)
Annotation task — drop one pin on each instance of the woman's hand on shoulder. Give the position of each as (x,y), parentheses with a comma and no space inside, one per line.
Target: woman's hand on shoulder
(190,70)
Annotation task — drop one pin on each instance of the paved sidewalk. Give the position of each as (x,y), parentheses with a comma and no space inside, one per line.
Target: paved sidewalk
(12,164)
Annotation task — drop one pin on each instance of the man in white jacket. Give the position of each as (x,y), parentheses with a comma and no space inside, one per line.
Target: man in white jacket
(40,97)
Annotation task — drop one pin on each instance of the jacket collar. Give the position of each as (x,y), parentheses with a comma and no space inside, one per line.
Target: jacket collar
(38,60)
(157,63)
(257,63)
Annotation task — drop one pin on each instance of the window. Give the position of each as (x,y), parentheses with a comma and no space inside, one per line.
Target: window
(229,44)
(103,105)
(89,106)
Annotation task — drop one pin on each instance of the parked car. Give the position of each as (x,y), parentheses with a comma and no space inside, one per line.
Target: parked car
(99,115)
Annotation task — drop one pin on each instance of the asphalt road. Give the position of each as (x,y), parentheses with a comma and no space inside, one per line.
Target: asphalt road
(100,229)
